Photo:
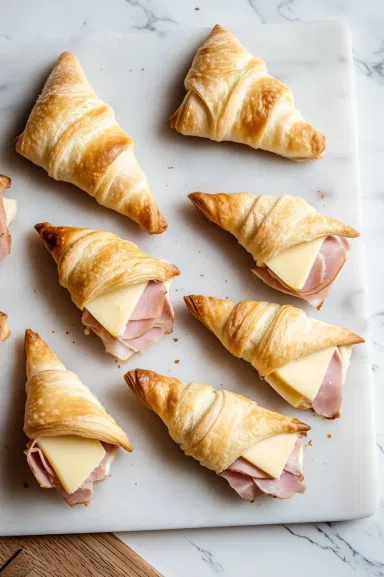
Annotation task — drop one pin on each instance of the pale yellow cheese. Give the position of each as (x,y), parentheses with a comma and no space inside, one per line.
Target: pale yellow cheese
(306,374)
(114,309)
(293,265)
(271,455)
(10,207)
(72,458)
(290,395)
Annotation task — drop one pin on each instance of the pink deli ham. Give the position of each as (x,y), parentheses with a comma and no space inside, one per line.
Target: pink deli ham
(5,237)
(152,318)
(250,482)
(47,478)
(326,268)
(328,399)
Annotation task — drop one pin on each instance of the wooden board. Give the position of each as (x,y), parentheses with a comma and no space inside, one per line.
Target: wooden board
(98,555)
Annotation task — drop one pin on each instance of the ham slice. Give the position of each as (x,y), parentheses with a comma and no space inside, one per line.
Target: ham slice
(325,270)
(5,237)
(250,482)
(47,478)
(328,399)
(152,318)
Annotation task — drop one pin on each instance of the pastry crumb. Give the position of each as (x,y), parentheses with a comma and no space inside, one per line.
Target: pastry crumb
(67,332)
(142,70)
(197,9)
(87,332)
(170,167)
(73,342)
(202,275)
(53,332)
(225,280)
(329,436)
(119,366)
(175,340)
(130,70)
(309,444)
(176,361)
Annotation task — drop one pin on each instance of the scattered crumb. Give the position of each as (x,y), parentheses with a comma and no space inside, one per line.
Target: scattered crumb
(67,332)
(87,331)
(202,275)
(119,366)
(309,444)
(176,361)
(73,342)
(177,290)
(25,485)
(53,332)
(170,167)
(135,484)
(175,340)
(115,361)
(130,70)
(329,436)
(322,195)
(34,290)
(226,298)
(142,70)
(225,280)
(196,9)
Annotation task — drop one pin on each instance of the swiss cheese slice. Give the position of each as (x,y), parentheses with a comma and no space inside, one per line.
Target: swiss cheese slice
(114,309)
(10,207)
(271,455)
(306,374)
(293,265)
(72,458)
(290,395)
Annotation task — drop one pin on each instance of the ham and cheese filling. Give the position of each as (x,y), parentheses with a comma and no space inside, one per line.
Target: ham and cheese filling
(151,318)
(324,272)
(48,478)
(250,482)
(314,381)
(7,214)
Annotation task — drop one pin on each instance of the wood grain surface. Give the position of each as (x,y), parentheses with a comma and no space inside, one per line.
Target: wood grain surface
(98,555)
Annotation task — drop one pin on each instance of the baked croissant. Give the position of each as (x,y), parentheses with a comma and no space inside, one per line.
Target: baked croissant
(73,440)
(231,96)
(303,359)
(4,329)
(297,250)
(122,291)
(8,210)
(75,137)
(256,450)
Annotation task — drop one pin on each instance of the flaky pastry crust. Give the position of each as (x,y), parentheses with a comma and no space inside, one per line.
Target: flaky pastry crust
(213,426)
(58,403)
(75,137)
(231,96)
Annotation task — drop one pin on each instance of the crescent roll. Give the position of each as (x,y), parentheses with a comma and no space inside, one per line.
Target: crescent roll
(75,137)
(256,450)
(8,208)
(122,291)
(230,96)
(297,250)
(4,329)
(73,440)
(303,359)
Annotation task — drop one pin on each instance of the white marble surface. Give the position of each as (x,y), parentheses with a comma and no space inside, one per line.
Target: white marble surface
(339,549)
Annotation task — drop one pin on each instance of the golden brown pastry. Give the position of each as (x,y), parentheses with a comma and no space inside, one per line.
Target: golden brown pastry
(122,291)
(8,208)
(75,137)
(231,96)
(296,250)
(227,433)
(4,329)
(73,440)
(303,359)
